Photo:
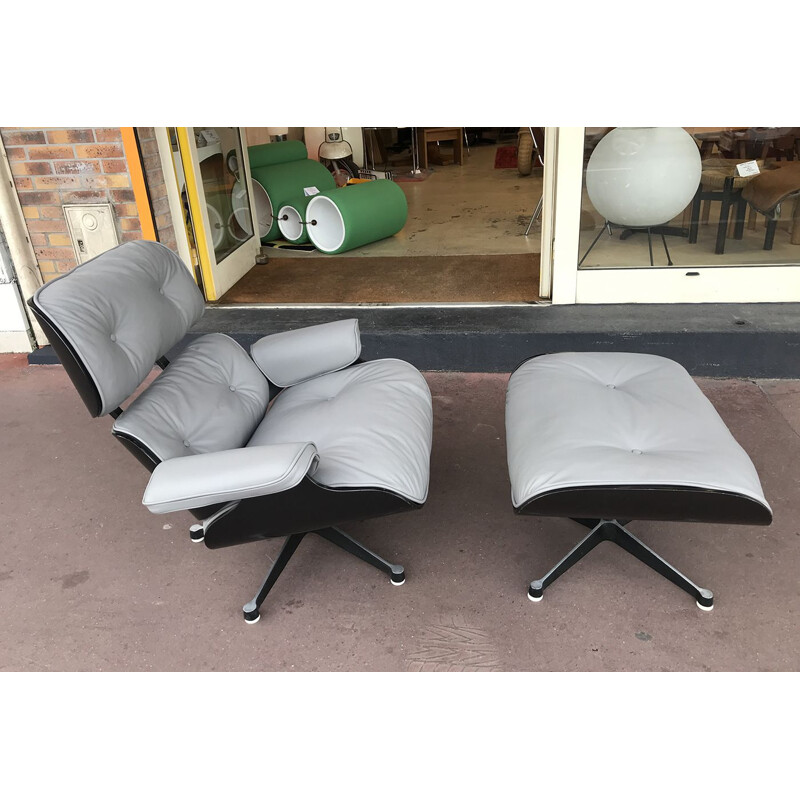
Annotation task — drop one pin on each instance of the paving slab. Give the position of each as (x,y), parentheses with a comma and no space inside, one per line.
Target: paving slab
(91,581)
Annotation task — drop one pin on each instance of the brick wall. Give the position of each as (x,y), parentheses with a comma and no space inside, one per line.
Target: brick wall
(156,187)
(53,166)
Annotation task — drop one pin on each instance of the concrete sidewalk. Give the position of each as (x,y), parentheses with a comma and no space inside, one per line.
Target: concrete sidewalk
(90,580)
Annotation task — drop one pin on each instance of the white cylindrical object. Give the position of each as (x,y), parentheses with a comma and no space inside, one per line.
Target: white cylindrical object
(641,177)
(293,227)
(328,231)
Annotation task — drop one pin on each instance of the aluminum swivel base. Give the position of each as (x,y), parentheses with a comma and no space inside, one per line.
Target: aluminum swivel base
(605,530)
(395,572)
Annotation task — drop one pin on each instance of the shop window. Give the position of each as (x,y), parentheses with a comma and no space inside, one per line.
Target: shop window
(690,197)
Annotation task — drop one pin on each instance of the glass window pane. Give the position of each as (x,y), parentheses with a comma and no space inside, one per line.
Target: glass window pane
(704,196)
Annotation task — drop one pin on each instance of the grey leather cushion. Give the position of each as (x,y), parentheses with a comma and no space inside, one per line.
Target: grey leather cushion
(121,311)
(293,356)
(371,424)
(211,397)
(209,478)
(617,419)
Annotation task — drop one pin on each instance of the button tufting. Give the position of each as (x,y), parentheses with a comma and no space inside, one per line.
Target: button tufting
(232,388)
(610,386)
(161,291)
(186,444)
(636,452)
(113,337)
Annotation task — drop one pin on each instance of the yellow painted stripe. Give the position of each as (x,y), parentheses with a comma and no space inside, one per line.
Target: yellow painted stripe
(197,215)
(136,172)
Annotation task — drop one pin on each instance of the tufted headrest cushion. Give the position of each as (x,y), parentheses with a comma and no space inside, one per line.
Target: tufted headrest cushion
(121,311)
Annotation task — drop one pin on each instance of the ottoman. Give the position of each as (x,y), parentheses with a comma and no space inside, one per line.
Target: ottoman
(605,438)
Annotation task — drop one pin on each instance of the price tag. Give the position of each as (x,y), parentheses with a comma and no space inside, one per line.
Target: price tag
(747,168)
(310,191)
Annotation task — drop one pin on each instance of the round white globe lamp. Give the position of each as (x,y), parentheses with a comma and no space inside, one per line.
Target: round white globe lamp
(643,177)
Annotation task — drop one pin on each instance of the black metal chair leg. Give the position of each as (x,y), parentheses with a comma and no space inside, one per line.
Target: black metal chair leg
(341,539)
(627,541)
(669,260)
(615,531)
(536,588)
(596,240)
(650,246)
(251,610)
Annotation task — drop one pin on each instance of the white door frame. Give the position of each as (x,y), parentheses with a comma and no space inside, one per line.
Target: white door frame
(165,154)
(217,277)
(767,283)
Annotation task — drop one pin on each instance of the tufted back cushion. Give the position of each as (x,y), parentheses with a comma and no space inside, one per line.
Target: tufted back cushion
(210,398)
(121,311)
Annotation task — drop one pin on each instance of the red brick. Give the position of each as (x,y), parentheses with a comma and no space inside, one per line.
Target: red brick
(84,197)
(39,199)
(115,165)
(157,191)
(16,153)
(130,224)
(31,168)
(66,264)
(99,151)
(123,196)
(51,212)
(68,135)
(38,239)
(23,137)
(57,182)
(149,147)
(50,152)
(106,181)
(77,167)
(131,236)
(108,134)
(47,226)
(58,239)
(55,253)
(23,183)
(126,210)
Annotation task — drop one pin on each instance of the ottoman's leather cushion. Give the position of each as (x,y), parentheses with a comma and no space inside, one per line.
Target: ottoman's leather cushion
(627,434)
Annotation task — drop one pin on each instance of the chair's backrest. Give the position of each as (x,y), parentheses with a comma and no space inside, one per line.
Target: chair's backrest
(110,319)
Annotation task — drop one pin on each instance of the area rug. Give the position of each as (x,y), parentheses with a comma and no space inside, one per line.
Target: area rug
(390,279)
(506,157)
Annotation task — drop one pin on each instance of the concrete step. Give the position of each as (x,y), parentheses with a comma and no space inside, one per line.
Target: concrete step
(758,340)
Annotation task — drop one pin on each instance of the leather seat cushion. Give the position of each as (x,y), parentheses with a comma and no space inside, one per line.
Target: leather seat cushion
(617,419)
(210,398)
(371,424)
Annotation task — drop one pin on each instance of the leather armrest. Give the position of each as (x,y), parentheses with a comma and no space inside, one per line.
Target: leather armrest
(294,356)
(222,477)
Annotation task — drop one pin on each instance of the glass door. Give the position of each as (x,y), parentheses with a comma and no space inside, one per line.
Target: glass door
(213,177)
